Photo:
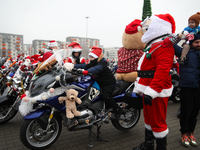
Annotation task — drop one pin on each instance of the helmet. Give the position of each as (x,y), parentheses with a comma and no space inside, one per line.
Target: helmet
(76,48)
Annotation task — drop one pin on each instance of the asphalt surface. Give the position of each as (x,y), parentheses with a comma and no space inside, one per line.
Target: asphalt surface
(117,140)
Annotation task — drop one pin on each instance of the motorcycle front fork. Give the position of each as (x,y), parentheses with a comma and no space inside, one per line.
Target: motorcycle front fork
(12,107)
(50,118)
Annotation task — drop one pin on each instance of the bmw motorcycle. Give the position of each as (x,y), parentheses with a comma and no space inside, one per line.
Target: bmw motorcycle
(42,125)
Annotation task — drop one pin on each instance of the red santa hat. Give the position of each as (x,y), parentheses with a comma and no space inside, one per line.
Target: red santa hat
(95,52)
(161,24)
(133,27)
(52,43)
(75,47)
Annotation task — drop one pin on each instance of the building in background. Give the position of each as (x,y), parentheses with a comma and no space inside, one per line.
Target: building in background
(85,43)
(111,53)
(27,49)
(11,45)
(41,45)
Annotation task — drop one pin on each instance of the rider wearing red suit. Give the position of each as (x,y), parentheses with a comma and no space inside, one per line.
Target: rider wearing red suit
(154,81)
(76,53)
(48,52)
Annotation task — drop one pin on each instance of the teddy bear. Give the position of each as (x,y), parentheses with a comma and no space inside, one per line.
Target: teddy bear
(130,53)
(70,99)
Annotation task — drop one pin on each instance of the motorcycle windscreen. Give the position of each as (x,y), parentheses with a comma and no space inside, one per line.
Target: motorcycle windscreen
(59,55)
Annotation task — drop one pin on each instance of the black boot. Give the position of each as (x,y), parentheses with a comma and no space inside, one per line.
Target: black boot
(161,143)
(148,144)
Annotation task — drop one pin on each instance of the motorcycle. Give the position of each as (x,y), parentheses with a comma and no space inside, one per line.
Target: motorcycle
(11,96)
(175,97)
(42,126)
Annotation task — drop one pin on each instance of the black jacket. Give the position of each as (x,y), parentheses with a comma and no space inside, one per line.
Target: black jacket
(100,70)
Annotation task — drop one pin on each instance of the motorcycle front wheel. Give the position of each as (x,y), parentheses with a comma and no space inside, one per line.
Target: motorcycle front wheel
(176,95)
(7,112)
(33,135)
(128,120)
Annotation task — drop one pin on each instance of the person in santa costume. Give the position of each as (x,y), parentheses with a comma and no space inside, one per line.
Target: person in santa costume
(154,80)
(76,54)
(53,47)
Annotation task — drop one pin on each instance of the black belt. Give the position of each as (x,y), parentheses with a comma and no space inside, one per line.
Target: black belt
(146,74)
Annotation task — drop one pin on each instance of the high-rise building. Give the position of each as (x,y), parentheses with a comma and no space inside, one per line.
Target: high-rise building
(27,49)
(85,43)
(11,45)
(111,53)
(41,45)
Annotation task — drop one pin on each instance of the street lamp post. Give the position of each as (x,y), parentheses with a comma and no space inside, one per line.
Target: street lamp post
(86,35)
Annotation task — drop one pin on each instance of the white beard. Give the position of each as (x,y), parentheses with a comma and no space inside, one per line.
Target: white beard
(157,28)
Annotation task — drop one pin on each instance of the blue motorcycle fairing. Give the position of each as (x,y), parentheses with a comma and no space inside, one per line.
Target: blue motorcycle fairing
(37,113)
(53,101)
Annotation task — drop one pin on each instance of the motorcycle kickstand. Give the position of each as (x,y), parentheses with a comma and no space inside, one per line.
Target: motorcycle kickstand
(98,133)
(90,132)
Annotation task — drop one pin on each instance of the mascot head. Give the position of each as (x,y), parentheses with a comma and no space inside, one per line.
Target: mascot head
(157,26)
(132,35)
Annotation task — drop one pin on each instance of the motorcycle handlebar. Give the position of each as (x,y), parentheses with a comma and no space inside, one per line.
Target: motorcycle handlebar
(79,72)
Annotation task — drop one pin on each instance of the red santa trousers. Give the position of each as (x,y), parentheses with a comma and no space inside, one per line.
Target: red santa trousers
(155,116)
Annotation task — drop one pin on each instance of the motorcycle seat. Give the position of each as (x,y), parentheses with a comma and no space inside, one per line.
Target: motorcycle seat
(121,87)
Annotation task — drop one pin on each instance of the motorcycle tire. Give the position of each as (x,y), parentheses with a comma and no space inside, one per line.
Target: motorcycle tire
(4,108)
(127,124)
(176,96)
(33,136)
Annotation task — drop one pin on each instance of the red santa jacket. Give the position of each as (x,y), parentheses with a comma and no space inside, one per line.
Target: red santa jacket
(161,62)
(128,60)
(71,60)
(47,55)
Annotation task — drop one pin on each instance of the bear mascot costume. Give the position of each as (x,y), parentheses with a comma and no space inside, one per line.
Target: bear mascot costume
(130,53)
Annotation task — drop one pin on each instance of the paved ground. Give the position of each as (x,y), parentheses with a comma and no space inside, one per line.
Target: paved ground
(117,140)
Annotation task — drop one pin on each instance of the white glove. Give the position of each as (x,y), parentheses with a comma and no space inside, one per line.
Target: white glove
(183,34)
(68,66)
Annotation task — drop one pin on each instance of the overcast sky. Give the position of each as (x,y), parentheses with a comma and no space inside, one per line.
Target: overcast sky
(58,19)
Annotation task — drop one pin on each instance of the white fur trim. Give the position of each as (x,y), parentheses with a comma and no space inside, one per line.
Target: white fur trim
(76,50)
(157,134)
(139,88)
(93,55)
(52,44)
(161,134)
(157,28)
(148,127)
(57,78)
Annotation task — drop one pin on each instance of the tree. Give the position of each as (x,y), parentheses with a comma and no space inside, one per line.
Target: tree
(146,9)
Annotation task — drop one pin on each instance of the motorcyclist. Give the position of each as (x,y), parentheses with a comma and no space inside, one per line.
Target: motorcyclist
(103,75)
(76,54)
(52,48)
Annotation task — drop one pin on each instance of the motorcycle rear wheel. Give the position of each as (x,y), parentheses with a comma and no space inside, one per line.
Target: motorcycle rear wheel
(125,123)
(4,108)
(33,136)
